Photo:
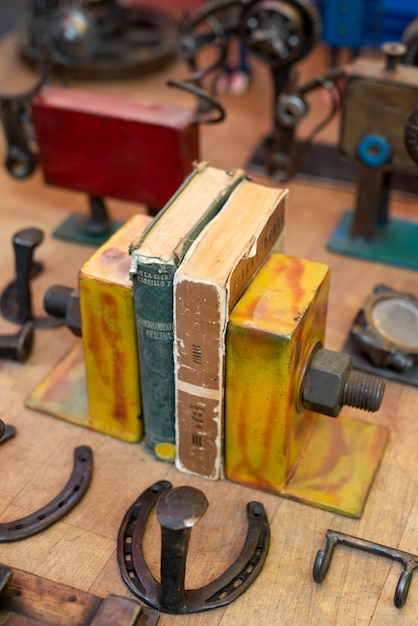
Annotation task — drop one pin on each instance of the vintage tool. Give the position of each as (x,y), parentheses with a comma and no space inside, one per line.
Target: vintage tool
(16,298)
(29,599)
(98,39)
(78,135)
(335,538)
(17,346)
(62,504)
(178,510)
(378,99)
(282,387)
(383,339)
(279,33)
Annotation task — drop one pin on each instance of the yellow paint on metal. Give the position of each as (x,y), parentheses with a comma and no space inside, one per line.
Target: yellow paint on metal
(271,333)
(109,336)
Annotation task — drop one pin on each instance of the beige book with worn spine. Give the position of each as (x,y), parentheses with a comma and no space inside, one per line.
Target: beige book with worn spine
(214,273)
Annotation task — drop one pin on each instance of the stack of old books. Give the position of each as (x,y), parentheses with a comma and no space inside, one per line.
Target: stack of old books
(189,268)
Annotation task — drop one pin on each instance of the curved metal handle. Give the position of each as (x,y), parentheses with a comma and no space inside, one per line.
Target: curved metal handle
(207,103)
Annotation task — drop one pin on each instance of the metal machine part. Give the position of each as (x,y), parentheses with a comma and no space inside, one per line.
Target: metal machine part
(411,135)
(278,32)
(98,39)
(410,39)
(16,298)
(335,538)
(17,346)
(66,500)
(384,337)
(331,383)
(178,510)
(21,159)
(29,599)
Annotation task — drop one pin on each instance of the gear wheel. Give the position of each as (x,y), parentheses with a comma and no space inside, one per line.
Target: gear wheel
(280,32)
(106,41)
(411,135)
(410,39)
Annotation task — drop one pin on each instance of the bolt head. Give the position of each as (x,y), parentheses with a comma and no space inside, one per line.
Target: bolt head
(324,381)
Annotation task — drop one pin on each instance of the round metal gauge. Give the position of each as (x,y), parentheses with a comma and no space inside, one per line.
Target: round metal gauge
(395,318)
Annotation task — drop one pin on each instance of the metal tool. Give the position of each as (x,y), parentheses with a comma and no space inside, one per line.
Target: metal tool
(62,504)
(98,39)
(16,298)
(335,538)
(178,510)
(17,346)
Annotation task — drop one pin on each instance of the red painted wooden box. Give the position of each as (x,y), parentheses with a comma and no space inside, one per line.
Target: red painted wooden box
(112,146)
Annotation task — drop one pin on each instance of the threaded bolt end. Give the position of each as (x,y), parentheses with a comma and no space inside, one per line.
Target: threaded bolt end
(56,300)
(363,391)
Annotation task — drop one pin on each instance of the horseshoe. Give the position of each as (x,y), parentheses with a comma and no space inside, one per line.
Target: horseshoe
(62,504)
(177,512)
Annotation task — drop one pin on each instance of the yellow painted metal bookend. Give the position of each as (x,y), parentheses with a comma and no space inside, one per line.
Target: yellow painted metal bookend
(97,384)
(271,442)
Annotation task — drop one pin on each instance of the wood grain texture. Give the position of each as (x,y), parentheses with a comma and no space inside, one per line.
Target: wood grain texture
(81,549)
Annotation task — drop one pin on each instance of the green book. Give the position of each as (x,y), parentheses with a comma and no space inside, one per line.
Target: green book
(155,257)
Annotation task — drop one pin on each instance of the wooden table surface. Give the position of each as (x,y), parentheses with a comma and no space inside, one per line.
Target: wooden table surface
(80,550)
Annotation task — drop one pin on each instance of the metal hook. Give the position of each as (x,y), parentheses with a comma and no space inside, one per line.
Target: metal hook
(334,538)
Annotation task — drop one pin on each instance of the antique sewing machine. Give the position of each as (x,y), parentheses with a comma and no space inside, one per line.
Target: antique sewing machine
(376,149)
(97,39)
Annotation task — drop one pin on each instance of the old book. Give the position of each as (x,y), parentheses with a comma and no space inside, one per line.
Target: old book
(155,257)
(214,273)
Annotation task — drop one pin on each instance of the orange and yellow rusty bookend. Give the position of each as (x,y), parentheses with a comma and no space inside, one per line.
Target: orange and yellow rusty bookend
(96,384)
(276,368)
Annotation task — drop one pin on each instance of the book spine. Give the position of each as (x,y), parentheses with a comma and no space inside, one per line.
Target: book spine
(153,300)
(199,377)
(201,312)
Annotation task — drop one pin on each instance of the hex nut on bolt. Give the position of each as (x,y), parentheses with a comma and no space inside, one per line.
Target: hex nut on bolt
(330,383)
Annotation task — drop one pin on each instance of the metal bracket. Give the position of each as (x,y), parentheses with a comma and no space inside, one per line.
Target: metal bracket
(62,504)
(334,538)
(177,512)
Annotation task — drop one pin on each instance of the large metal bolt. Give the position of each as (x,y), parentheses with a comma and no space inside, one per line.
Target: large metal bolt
(330,383)
(64,302)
